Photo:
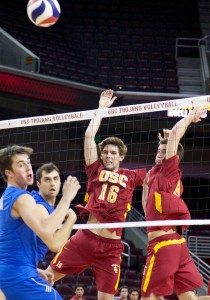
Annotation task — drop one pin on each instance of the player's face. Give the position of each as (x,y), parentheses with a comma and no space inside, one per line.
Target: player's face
(49,184)
(134,295)
(79,292)
(161,154)
(21,174)
(111,158)
(124,293)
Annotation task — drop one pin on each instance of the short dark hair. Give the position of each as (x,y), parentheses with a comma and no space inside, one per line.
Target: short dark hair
(116,142)
(6,155)
(180,149)
(123,287)
(79,286)
(48,168)
(133,290)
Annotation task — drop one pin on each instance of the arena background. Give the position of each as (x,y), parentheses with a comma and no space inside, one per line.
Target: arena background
(129,46)
(146,51)
(135,47)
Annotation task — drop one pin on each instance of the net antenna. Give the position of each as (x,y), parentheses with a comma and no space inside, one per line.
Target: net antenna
(59,138)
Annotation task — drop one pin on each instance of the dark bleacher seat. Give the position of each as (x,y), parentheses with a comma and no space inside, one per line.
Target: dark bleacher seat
(158,87)
(136,251)
(129,282)
(133,35)
(68,297)
(85,280)
(64,289)
(69,279)
(91,291)
(124,265)
(88,272)
(131,274)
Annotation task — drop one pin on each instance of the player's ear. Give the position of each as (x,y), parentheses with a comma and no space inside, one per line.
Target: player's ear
(122,157)
(38,183)
(7,173)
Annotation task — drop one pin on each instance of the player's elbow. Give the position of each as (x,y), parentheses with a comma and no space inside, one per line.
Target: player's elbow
(55,243)
(54,247)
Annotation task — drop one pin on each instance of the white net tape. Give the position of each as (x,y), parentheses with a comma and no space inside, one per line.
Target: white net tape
(186,103)
(142,224)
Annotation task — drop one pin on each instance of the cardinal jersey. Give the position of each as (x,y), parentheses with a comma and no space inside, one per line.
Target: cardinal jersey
(165,189)
(109,194)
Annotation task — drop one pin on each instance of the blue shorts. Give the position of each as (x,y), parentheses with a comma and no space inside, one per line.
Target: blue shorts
(34,288)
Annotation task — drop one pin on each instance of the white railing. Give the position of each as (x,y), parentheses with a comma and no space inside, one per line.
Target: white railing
(128,253)
(199,245)
(202,267)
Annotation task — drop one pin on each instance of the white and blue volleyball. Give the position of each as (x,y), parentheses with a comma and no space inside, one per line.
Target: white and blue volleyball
(43,13)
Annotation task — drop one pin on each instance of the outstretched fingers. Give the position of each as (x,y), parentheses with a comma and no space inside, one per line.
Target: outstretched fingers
(197,113)
(106,99)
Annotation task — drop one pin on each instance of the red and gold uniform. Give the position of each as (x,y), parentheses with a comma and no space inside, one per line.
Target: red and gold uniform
(165,190)
(169,266)
(109,196)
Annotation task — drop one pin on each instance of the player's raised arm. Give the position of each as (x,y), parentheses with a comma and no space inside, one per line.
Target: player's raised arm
(90,148)
(180,128)
(145,192)
(47,227)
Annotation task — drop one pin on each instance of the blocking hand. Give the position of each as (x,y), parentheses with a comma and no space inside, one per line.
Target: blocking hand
(106,99)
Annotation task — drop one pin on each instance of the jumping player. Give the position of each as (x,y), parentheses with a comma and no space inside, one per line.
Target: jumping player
(169,266)
(20,222)
(109,196)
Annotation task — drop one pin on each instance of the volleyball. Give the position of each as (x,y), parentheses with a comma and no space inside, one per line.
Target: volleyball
(43,13)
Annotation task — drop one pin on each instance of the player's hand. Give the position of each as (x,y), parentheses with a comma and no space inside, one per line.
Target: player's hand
(197,113)
(106,99)
(70,188)
(166,133)
(46,275)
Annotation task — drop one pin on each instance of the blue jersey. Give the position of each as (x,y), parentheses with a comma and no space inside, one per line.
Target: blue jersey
(18,245)
(41,247)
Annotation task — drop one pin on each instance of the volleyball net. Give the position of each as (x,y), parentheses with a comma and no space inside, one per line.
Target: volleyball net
(59,138)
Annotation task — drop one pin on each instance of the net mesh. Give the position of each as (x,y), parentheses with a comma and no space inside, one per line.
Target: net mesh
(60,138)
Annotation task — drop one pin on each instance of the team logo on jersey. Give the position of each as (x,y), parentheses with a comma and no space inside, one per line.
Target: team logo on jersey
(108,176)
(1,202)
(48,289)
(59,265)
(115,268)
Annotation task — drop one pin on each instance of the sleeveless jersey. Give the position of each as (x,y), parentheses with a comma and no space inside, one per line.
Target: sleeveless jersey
(18,246)
(41,247)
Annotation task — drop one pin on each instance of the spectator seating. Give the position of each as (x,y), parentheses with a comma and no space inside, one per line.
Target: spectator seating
(127,45)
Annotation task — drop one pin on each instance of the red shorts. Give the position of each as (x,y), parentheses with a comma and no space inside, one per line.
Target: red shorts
(87,249)
(169,267)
